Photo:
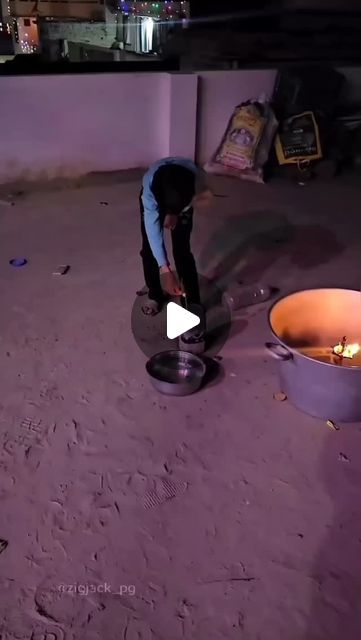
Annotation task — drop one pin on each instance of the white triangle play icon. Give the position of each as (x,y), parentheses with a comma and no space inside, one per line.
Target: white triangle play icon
(179,320)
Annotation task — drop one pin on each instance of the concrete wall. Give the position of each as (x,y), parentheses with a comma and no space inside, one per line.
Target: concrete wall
(64,126)
(72,125)
(183,94)
(98,33)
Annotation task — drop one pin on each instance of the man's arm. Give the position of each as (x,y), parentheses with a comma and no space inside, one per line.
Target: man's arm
(153,227)
(155,236)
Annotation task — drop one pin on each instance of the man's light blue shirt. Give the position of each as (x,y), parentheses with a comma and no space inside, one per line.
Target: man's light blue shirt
(152,223)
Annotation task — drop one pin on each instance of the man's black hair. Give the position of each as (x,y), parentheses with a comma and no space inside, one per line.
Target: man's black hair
(174,188)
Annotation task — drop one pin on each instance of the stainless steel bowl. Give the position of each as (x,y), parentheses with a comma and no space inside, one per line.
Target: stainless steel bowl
(176,373)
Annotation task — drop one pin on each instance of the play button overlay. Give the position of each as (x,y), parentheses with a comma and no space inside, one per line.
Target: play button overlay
(154,334)
(179,320)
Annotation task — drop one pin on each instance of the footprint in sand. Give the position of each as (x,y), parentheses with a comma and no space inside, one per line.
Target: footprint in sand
(53,601)
(137,630)
(56,634)
(165,490)
(7,482)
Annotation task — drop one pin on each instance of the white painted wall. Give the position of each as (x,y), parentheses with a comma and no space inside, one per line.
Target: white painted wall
(61,126)
(66,126)
(183,92)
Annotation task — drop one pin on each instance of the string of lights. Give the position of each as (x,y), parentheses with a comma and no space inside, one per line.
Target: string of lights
(161,11)
(166,10)
(15,26)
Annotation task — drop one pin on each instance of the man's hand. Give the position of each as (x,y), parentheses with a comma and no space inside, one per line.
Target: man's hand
(170,282)
(170,221)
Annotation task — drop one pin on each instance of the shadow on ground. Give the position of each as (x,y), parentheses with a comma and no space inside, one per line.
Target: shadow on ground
(215,373)
(246,246)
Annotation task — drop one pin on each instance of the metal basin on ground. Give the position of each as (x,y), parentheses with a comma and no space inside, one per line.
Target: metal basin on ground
(307,326)
(176,373)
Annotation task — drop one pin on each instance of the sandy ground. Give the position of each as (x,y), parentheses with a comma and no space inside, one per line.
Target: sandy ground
(133,516)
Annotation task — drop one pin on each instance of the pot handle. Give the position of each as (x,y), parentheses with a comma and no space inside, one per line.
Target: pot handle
(278,351)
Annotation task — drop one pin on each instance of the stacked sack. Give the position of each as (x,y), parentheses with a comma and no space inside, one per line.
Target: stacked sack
(246,144)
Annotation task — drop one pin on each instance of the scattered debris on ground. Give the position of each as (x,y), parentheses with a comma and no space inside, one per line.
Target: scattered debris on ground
(6,203)
(3,545)
(332,425)
(281,397)
(18,262)
(61,270)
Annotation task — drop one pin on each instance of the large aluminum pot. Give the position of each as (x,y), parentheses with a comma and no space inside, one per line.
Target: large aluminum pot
(306,325)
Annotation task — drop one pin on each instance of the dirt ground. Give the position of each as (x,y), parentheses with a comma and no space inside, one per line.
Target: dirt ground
(134,516)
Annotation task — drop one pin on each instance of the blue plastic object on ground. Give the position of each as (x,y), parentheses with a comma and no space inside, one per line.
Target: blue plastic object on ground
(18,262)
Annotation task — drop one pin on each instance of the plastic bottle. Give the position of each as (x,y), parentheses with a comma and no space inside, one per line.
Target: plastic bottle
(240,295)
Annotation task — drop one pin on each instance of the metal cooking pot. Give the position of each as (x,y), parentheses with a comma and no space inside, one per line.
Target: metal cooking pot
(306,325)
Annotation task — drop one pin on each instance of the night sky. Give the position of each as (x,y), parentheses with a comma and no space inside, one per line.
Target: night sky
(202,8)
